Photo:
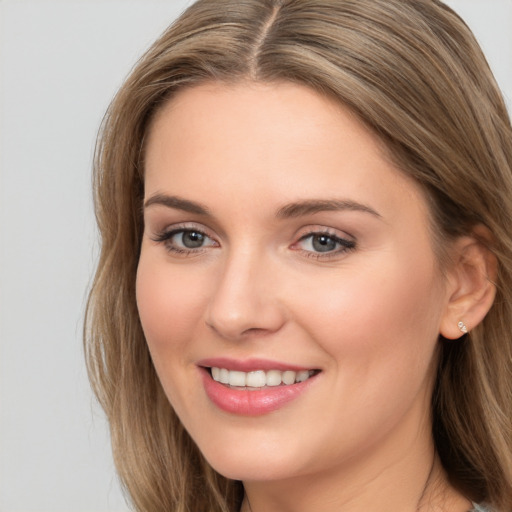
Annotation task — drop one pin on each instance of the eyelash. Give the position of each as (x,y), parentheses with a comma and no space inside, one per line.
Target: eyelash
(344,244)
(166,238)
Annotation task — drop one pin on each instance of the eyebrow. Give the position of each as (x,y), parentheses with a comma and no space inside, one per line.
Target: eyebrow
(178,203)
(291,210)
(312,206)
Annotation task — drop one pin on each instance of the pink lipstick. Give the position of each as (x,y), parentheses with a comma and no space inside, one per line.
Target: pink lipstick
(253,387)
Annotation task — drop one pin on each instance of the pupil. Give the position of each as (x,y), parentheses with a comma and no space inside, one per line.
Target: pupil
(323,243)
(192,239)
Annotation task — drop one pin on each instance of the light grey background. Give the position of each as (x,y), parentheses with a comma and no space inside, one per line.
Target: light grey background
(60,64)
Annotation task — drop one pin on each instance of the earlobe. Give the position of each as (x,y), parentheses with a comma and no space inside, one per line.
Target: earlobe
(471,284)
(463,328)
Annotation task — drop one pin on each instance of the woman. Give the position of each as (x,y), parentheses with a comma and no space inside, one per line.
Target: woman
(303,295)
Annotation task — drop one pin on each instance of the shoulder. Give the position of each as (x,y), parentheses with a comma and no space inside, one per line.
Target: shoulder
(480,508)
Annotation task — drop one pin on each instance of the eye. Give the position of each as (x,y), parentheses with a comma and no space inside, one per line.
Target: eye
(189,239)
(324,243)
(182,240)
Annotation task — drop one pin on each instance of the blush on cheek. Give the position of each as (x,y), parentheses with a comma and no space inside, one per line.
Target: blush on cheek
(153,305)
(383,310)
(169,304)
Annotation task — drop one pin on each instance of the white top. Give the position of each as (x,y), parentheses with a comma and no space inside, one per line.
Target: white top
(480,508)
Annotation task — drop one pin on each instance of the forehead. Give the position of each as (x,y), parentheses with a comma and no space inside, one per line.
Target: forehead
(253,102)
(279,140)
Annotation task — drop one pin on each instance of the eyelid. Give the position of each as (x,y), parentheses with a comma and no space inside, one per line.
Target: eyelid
(345,242)
(165,236)
(319,229)
(182,226)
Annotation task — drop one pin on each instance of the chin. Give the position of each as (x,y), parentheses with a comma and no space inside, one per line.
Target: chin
(255,462)
(252,472)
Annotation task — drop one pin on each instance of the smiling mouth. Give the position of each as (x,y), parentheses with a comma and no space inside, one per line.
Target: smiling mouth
(259,379)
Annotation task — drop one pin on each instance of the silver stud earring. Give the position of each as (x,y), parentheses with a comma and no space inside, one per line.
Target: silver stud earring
(462,327)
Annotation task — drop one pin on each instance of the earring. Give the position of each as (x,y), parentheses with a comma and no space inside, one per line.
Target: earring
(462,327)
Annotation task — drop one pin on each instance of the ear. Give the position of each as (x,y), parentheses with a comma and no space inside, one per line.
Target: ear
(471,283)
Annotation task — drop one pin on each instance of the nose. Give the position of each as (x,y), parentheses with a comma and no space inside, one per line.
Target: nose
(246,300)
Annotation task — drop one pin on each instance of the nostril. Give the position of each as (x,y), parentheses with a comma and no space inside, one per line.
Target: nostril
(255,330)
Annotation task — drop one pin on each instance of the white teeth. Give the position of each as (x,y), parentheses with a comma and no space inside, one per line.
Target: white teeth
(289,377)
(256,379)
(237,378)
(259,378)
(216,374)
(274,378)
(302,376)
(224,376)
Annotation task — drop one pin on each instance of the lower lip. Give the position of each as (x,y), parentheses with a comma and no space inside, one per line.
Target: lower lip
(251,403)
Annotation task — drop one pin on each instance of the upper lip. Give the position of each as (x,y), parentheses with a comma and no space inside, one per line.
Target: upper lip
(249,365)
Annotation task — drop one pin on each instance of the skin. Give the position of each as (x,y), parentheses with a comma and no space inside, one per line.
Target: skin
(369,317)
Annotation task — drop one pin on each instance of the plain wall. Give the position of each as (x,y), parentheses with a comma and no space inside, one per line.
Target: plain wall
(60,64)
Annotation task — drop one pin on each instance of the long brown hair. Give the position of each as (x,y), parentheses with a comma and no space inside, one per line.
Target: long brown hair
(413,72)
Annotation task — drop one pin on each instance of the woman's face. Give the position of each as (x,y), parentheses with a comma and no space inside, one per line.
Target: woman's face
(280,245)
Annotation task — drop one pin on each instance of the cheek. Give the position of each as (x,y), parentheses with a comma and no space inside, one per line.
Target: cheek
(379,329)
(170,304)
(382,318)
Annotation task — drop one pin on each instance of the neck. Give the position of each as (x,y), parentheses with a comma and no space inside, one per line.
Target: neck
(404,485)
